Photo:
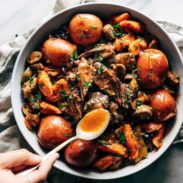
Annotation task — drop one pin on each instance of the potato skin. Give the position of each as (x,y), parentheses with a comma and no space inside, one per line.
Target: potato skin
(85,29)
(57,51)
(53,130)
(163,104)
(153,68)
(80,153)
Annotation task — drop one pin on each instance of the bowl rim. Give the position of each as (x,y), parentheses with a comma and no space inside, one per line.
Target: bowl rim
(178,126)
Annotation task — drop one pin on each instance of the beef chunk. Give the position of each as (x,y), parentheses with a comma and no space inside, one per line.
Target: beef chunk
(97,100)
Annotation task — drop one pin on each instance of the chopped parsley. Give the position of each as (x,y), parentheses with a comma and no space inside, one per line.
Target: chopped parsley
(117,30)
(68,135)
(40,85)
(116,26)
(122,138)
(93,27)
(63,94)
(62,105)
(141,39)
(78,77)
(138,103)
(75,55)
(88,84)
(31,79)
(100,57)
(100,70)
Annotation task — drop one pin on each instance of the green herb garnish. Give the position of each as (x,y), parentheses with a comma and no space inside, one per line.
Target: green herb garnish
(63,94)
(68,135)
(100,70)
(31,79)
(116,26)
(122,138)
(78,77)
(40,85)
(117,30)
(88,84)
(75,55)
(93,27)
(138,103)
(100,58)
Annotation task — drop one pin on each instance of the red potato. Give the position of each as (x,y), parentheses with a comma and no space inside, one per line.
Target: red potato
(53,131)
(56,51)
(163,105)
(80,153)
(153,68)
(85,29)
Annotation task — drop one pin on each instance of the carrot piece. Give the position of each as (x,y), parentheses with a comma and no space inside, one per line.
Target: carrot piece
(49,108)
(131,141)
(123,16)
(104,163)
(45,84)
(132,26)
(114,148)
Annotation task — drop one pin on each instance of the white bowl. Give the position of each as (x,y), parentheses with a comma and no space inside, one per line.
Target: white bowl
(102,10)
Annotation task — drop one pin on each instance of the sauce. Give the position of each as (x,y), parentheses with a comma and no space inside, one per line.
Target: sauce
(95,120)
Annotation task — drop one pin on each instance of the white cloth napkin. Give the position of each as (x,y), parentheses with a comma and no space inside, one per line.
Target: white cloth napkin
(10,137)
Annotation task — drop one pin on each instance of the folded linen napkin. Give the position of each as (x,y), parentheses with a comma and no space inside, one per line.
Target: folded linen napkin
(10,137)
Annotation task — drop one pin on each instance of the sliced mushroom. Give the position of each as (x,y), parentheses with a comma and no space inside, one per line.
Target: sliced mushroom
(38,66)
(119,70)
(109,32)
(105,49)
(34,57)
(172,78)
(30,118)
(153,44)
(128,77)
(27,74)
(143,112)
(29,86)
(52,71)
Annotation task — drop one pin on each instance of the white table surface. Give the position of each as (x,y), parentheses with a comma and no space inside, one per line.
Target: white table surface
(18,16)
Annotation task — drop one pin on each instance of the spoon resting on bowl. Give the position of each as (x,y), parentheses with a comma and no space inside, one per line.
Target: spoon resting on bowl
(91,126)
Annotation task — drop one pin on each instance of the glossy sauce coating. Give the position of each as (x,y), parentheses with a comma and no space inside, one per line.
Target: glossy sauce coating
(54,130)
(94,121)
(153,68)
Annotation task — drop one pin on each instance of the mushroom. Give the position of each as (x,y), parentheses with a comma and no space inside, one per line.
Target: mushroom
(143,112)
(172,78)
(103,50)
(109,32)
(119,70)
(30,118)
(34,57)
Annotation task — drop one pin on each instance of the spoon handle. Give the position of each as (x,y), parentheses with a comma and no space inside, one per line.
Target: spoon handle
(55,150)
